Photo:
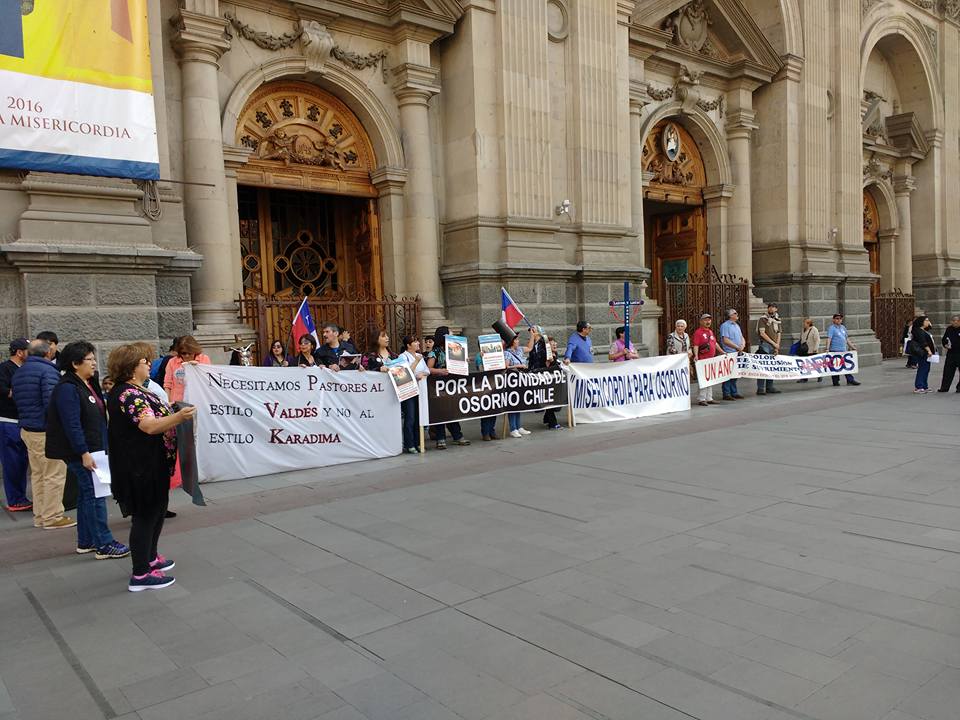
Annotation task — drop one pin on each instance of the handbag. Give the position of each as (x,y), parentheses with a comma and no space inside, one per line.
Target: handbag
(914,348)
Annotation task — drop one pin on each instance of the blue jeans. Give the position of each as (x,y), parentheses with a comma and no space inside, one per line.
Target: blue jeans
(923,372)
(729,388)
(455,431)
(410,411)
(488,426)
(13,459)
(92,527)
(514,419)
(764,385)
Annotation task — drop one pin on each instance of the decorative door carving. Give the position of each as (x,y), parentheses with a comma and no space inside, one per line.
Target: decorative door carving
(301,137)
(675,166)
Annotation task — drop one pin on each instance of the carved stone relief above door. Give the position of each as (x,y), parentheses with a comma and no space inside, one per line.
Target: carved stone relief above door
(302,137)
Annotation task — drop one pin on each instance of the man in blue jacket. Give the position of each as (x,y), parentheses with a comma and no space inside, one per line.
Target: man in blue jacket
(32,386)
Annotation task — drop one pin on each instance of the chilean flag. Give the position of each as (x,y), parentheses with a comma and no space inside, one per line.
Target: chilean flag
(509,312)
(302,325)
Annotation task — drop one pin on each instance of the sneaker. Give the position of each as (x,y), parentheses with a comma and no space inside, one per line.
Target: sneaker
(82,550)
(704,403)
(60,523)
(919,391)
(112,551)
(461,441)
(738,397)
(556,427)
(515,434)
(20,507)
(441,444)
(774,391)
(524,431)
(854,382)
(728,397)
(412,451)
(162,564)
(761,392)
(153,580)
(486,438)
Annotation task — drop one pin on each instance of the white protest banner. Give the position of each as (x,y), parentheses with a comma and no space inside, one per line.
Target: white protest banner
(402,379)
(631,389)
(456,349)
(794,367)
(491,352)
(253,421)
(716,370)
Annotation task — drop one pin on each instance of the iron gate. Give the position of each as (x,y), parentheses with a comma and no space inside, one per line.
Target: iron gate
(891,313)
(688,296)
(272,318)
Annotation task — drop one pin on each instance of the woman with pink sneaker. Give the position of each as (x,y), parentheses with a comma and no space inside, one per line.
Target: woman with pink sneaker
(143,454)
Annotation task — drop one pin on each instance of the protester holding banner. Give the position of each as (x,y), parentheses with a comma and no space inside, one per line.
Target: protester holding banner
(516,358)
(488,424)
(188,351)
(769,329)
(921,348)
(143,454)
(838,341)
(809,343)
(277,357)
(619,352)
(543,355)
(333,354)
(307,346)
(704,347)
(410,408)
(733,342)
(437,364)
(579,345)
(678,342)
(375,359)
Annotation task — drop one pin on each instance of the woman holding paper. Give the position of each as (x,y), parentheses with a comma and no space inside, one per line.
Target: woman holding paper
(410,408)
(174,381)
(375,360)
(76,430)
(143,456)
(517,358)
(921,348)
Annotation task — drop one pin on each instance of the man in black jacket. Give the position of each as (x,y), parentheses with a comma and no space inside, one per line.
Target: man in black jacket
(13,453)
(32,387)
(951,343)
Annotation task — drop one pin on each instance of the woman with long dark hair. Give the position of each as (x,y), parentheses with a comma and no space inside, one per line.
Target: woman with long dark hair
(77,428)
(143,454)
(277,357)
(307,345)
(375,359)
(437,364)
(920,347)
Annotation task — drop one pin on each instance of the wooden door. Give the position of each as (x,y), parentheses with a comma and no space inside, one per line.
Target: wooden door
(678,241)
(871,238)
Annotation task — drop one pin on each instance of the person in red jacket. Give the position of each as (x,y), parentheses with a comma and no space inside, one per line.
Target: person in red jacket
(704,346)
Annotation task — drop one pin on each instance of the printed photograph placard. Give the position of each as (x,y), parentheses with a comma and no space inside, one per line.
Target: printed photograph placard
(402,378)
(491,352)
(457,355)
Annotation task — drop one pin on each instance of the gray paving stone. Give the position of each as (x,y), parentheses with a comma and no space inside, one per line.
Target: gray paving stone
(766,682)
(336,665)
(796,661)
(627,630)
(858,694)
(939,699)
(381,696)
(161,688)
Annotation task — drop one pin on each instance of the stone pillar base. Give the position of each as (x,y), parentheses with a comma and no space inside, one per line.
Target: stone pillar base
(939,298)
(214,338)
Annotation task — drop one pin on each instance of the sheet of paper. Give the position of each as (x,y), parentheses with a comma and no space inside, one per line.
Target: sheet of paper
(101,474)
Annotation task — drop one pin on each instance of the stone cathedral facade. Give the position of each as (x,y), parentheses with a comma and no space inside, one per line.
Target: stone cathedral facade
(443,148)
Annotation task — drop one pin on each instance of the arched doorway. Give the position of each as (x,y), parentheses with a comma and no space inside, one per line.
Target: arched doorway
(307,214)
(675,224)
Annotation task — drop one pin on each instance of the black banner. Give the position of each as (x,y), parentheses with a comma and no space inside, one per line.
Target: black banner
(452,398)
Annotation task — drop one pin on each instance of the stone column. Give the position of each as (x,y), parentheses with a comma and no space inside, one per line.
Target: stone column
(889,242)
(903,185)
(739,253)
(200,41)
(414,86)
(636,175)
(390,182)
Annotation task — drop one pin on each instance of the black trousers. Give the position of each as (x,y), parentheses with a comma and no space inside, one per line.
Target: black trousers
(950,364)
(550,417)
(145,530)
